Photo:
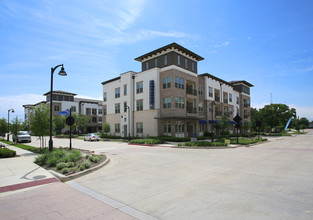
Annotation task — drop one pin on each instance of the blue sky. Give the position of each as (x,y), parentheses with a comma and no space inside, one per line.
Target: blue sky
(268,43)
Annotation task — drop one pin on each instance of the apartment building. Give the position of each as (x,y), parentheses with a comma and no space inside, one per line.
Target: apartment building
(168,97)
(62,101)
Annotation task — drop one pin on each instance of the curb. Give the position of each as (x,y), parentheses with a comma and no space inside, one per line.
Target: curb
(64,178)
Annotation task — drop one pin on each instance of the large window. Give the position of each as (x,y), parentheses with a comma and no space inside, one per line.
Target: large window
(230,97)
(104,110)
(139,127)
(179,127)
(117,108)
(73,108)
(178,60)
(165,60)
(192,66)
(155,62)
(186,63)
(100,111)
(88,111)
(179,83)
(94,111)
(117,92)
(167,102)
(237,100)
(99,119)
(200,106)
(179,102)
(167,128)
(210,92)
(117,128)
(166,82)
(125,106)
(105,97)
(139,87)
(56,108)
(94,119)
(125,90)
(139,105)
(200,90)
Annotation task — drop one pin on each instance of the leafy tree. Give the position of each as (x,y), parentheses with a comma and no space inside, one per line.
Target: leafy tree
(59,123)
(276,114)
(255,118)
(80,121)
(296,124)
(246,126)
(16,126)
(223,124)
(3,127)
(305,122)
(106,128)
(40,121)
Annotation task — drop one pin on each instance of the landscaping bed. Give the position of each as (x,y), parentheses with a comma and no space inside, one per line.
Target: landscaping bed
(67,161)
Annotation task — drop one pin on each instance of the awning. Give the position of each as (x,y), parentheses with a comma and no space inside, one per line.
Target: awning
(232,122)
(203,122)
(212,122)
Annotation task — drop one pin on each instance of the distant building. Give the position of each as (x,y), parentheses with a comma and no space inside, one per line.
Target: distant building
(169,97)
(62,101)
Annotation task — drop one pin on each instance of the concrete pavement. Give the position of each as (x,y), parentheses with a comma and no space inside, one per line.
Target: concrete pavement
(28,191)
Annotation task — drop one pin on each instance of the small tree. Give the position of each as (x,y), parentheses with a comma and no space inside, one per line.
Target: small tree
(3,127)
(59,123)
(80,121)
(106,128)
(223,124)
(40,122)
(16,125)
(246,126)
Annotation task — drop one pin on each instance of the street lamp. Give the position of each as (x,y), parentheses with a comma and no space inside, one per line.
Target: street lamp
(128,127)
(10,110)
(61,73)
(213,103)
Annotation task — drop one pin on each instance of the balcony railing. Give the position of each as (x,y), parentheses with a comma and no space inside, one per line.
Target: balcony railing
(217,99)
(191,110)
(218,113)
(191,91)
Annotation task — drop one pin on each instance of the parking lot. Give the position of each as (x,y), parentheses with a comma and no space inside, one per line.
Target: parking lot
(273,180)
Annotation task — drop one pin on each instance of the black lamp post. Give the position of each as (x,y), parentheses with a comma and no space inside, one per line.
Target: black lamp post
(128,127)
(213,103)
(10,110)
(61,73)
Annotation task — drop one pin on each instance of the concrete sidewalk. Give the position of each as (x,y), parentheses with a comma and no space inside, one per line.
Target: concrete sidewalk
(28,191)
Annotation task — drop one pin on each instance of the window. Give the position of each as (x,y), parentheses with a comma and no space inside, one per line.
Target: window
(200,90)
(125,106)
(167,128)
(139,127)
(179,83)
(237,100)
(117,92)
(186,63)
(100,111)
(94,119)
(230,97)
(104,110)
(139,87)
(117,108)
(192,66)
(179,102)
(94,111)
(56,108)
(147,65)
(139,105)
(167,82)
(99,119)
(167,102)
(73,108)
(165,60)
(117,128)
(125,90)
(88,111)
(179,127)
(210,92)
(155,62)
(178,60)
(200,106)
(230,110)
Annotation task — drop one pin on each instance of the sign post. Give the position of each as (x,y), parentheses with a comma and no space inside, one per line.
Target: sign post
(70,121)
(237,119)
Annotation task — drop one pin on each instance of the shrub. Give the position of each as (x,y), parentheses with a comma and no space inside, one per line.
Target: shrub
(95,158)
(6,153)
(65,170)
(61,165)
(202,144)
(147,141)
(84,165)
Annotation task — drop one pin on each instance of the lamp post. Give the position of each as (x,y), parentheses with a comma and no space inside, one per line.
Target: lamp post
(10,110)
(61,73)
(213,103)
(128,127)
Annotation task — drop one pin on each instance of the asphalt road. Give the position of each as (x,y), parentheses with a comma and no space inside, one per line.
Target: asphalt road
(273,180)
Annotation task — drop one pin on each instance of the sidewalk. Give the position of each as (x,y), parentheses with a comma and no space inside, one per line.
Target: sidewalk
(28,191)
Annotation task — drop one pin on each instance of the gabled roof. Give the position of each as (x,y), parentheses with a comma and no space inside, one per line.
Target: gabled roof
(241,82)
(172,45)
(60,92)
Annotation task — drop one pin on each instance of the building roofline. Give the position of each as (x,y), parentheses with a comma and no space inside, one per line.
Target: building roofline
(111,80)
(242,81)
(60,92)
(216,78)
(169,46)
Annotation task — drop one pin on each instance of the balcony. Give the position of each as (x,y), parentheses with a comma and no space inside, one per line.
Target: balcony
(225,100)
(191,110)
(217,98)
(218,113)
(191,91)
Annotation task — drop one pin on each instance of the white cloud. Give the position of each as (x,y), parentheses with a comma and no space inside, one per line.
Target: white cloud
(224,44)
(16,102)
